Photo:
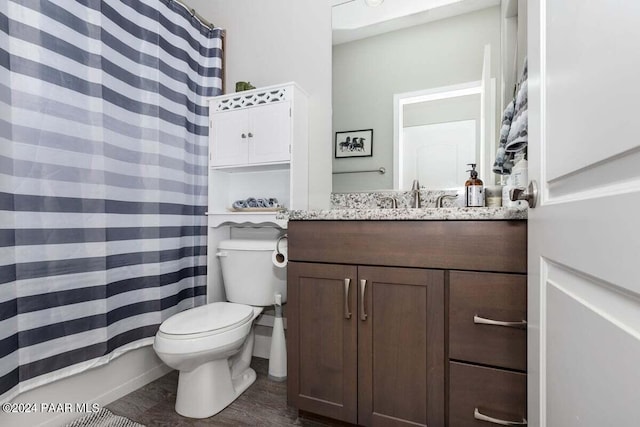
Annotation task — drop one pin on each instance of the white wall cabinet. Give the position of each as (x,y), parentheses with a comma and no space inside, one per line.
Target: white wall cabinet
(258,148)
(254,135)
(230,129)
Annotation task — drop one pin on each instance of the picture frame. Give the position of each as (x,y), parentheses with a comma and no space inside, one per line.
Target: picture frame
(354,143)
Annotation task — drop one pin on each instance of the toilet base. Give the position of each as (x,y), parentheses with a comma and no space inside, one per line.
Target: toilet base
(209,389)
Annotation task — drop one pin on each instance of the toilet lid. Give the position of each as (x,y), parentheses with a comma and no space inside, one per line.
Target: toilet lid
(207,318)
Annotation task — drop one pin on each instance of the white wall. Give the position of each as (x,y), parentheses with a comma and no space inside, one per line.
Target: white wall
(522,35)
(277,41)
(514,46)
(443,110)
(366,74)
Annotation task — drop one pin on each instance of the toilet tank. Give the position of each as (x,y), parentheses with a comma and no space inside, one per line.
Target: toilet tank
(249,275)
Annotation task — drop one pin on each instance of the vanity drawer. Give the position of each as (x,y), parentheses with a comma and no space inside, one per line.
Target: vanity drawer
(476,391)
(475,300)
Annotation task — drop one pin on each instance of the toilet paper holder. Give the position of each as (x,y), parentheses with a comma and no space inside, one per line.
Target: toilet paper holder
(280,257)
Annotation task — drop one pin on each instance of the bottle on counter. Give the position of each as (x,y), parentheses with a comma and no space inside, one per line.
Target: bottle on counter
(493,196)
(474,189)
(518,179)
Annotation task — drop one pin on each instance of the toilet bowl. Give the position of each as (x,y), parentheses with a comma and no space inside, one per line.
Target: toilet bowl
(212,345)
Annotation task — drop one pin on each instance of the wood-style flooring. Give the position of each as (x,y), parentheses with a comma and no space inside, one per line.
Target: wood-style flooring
(263,404)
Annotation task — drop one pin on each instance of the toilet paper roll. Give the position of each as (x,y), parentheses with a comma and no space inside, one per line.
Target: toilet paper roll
(280,259)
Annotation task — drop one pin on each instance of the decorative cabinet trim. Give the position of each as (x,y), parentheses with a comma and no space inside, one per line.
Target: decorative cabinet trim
(252,98)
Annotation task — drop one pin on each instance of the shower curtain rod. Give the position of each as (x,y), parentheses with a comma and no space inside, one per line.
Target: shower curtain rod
(195,14)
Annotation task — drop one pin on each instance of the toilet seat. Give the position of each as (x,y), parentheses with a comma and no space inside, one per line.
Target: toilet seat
(206,320)
(225,325)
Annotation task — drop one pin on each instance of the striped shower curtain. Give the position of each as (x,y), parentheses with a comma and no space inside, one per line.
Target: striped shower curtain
(103,179)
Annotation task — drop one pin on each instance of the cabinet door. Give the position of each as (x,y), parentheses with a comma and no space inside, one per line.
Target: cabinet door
(270,129)
(229,138)
(401,359)
(322,339)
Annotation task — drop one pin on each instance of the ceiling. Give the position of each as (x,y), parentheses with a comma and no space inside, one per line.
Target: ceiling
(354,20)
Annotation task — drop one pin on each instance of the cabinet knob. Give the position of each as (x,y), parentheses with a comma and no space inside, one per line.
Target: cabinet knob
(243,135)
(250,135)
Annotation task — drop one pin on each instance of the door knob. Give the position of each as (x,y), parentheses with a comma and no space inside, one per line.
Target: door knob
(530,194)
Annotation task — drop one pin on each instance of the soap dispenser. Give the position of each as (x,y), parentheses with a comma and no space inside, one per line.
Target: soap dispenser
(474,188)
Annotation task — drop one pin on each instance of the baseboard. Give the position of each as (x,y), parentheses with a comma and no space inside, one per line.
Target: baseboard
(268,319)
(121,391)
(264,329)
(112,395)
(262,346)
(134,384)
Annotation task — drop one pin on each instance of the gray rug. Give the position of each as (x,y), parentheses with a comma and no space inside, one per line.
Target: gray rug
(104,418)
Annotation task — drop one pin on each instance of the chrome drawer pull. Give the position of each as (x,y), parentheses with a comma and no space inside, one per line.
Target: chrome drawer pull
(347,312)
(484,321)
(482,417)
(363,288)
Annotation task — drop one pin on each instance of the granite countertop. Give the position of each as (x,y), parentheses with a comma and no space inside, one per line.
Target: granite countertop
(403,214)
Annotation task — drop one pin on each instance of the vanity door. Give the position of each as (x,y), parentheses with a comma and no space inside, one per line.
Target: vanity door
(401,347)
(322,339)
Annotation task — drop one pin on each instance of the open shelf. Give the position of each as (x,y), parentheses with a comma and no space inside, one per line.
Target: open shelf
(226,187)
(250,218)
(261,167)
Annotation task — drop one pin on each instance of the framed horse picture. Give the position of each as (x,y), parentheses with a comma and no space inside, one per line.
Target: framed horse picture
(354,143)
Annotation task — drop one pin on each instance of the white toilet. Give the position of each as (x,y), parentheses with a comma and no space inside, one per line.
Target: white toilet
(211,345)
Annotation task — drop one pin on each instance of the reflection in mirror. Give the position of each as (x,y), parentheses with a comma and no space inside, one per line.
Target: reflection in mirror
(436,134)
(440,47)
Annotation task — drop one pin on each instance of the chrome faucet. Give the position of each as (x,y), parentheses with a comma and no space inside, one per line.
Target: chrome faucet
(415,194)
(393,200)
(442,197)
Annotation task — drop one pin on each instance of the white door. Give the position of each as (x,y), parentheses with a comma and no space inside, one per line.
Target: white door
(438,154)
(584,236)
(228,140)
(270,129)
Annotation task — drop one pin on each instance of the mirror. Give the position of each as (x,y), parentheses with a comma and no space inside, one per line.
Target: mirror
(437,134)
(415,47)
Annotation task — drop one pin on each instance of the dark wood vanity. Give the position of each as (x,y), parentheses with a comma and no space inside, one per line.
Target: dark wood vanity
(394,322)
